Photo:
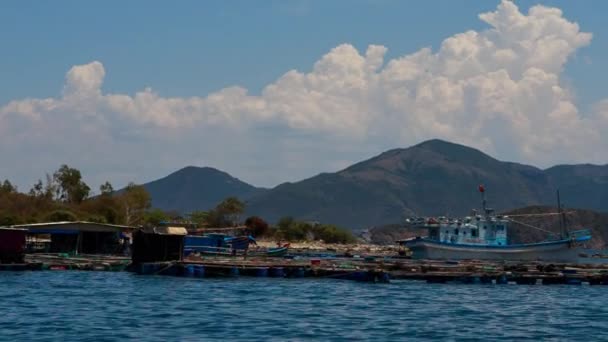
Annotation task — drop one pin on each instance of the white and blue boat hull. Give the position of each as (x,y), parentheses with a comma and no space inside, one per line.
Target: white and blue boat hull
(553,251)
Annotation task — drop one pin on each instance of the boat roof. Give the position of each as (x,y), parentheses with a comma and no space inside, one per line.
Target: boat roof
(163,230)
(49,227)
(12,229)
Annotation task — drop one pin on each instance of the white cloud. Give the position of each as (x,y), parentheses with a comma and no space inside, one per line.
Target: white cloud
(498,89)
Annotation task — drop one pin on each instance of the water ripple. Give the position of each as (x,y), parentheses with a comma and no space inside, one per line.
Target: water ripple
(85,306)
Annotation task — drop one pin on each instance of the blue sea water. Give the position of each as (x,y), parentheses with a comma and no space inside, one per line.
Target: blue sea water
(98,306)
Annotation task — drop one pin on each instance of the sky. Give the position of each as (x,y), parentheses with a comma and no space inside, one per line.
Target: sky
(277,91)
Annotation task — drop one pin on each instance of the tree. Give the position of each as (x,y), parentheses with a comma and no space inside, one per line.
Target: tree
(231,209)
(257,225)
(199,217)
(7,187)
(155,217)
(106,189)
(37,189)
(51,190)
(61,215)
(8,219)
(72,188)
(135,200)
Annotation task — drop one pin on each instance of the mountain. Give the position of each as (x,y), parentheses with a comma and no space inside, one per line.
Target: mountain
(576,219)
(197,188)
(582,186)
(432,178)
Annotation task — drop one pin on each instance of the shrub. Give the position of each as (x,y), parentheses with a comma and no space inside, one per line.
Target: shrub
(61,215)
(257,225)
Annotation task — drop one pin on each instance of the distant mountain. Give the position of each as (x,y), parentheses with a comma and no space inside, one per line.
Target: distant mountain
(432,178)
(582,186)
(576,219)
(197,188)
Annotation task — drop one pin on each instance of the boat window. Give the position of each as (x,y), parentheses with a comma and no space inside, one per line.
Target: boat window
(474,233)
(455,231)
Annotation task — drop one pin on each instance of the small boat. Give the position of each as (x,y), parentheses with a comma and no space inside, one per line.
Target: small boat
(217,244)
(277,251)
(227,245)
(484,236)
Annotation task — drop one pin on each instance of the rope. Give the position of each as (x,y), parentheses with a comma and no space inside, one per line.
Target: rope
(540,214)
(531,226)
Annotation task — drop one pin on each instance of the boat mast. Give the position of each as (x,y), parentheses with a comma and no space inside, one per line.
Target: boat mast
(482,190)
(562,218)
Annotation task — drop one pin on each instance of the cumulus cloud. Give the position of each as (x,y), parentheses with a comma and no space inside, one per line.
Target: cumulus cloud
(498,89)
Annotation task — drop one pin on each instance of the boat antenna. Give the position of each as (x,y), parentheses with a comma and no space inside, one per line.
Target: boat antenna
(562,217)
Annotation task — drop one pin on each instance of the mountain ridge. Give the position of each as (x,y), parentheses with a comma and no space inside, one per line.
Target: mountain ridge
(434,177)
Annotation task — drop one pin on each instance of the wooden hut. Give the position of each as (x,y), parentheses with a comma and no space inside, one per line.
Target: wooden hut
(158,244)
(12,245)
(78,237)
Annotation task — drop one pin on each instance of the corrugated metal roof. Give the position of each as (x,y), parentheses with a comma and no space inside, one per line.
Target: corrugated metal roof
(75,225)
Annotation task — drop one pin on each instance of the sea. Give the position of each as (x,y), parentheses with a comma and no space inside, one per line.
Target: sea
(106,306)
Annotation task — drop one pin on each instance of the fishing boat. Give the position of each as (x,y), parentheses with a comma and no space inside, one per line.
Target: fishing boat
(484,236)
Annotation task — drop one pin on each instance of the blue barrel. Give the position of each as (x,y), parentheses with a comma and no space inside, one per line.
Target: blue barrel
(199,271)
(573,281)
(188,270)
(384,278)
(171,270)
(148,268)
(277,272)
(298,273)
(261,272)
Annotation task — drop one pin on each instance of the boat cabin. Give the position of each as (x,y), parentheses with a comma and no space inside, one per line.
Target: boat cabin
(471,230)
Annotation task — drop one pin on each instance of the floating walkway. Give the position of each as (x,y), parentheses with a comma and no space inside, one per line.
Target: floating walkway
(368,269)
(483,272)
(267,269)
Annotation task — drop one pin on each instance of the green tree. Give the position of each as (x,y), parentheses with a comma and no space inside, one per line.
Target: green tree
(155,217)
(106,189)
(37,190)
(7,187)
(230,210)
(61,215)
(135,201)
(8,219)
(200,218)
(72,188)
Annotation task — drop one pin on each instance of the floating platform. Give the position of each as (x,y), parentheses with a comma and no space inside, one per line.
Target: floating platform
(364,269)
(269,268)
(90,262)
(483,272)
(21,267)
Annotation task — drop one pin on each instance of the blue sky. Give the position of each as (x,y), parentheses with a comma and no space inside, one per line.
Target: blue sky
(195,48)
(190,48)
